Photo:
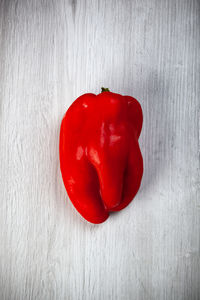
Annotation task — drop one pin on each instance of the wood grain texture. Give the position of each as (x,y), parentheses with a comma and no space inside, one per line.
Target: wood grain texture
(51,51)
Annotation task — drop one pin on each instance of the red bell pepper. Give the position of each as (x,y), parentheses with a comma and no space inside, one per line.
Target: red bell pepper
(100,158)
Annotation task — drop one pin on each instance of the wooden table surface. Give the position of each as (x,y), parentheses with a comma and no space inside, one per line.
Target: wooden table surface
(52,51)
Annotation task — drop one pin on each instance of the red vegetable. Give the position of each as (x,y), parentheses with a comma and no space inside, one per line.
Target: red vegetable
(100,158)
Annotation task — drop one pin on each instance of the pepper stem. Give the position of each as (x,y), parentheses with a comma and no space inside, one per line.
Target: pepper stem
(104,90)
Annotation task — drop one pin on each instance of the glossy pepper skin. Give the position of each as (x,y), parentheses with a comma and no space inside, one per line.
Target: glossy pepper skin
(100,158)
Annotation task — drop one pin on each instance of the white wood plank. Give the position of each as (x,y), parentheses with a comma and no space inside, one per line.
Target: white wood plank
(50,53)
